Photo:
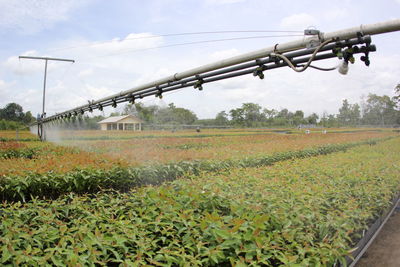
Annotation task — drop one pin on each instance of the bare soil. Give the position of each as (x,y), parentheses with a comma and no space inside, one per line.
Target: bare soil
(385,250)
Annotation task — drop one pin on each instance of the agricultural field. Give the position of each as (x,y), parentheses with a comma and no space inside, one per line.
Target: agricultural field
(215,198)
(165,147)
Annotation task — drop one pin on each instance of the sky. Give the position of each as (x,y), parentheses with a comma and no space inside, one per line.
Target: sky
(114,45)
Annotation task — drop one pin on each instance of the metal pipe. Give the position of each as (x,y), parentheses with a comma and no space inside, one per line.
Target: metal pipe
(234,74)
(368,29)
(365,39)
(48,58)
(249,71)
(243,72)
(371,29)
(217,77)
(44,88)
(258,62)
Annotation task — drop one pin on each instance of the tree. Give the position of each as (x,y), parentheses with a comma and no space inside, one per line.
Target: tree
(324,119)
(284,113)
(396,98)
(206,122)
(174,115)
(12,112)
(298,117)
(349,114)
(146,113)
(312,119)
(221,118)
(355,114)
(161,115)
(130,109)
(380,110)
(284,118)
(344,113)
(248,115)
(28,118)
(252,113)
(15,112)
(115,113)
(332,121)
(183,116)
(269,115)
(237,116)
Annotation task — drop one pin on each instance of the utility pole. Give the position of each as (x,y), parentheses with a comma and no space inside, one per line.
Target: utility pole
(40,124)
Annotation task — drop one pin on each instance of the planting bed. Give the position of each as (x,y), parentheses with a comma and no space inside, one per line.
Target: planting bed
(175,147)
(301,207)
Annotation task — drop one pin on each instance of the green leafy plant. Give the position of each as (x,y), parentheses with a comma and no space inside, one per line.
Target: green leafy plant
(306,211)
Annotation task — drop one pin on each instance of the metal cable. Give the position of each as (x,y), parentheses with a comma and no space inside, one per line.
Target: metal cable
(309,61)
(196,42)
(174,34)
(320,68)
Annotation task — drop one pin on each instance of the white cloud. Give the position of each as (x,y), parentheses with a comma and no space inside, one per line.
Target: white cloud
(336,13)
(24,66)
(299,21)
(30,16)
(132,42)
(85,72)
(89,50)
(5,92)
(75,95)
(219,55)
(223,2)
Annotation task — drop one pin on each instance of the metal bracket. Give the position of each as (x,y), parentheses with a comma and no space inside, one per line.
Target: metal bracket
(132,99)
(313,43)
(311,32)
(199,83)
(259,71)
(366,49)
(114,103)
(159,93)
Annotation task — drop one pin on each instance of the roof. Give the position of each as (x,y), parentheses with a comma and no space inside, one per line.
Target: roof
(118,118)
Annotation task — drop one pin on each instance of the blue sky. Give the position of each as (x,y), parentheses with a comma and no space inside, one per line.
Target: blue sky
(97,35)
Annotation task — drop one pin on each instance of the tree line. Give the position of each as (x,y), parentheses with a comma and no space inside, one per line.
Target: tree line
(374,110)
(13,117)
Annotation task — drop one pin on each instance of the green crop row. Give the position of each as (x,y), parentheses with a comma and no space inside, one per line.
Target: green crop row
(28,153)
(5,139)
(52,185)
(303,212)
(35,151)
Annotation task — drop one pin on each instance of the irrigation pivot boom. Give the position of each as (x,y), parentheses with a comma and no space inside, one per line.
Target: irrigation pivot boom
(297,54)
